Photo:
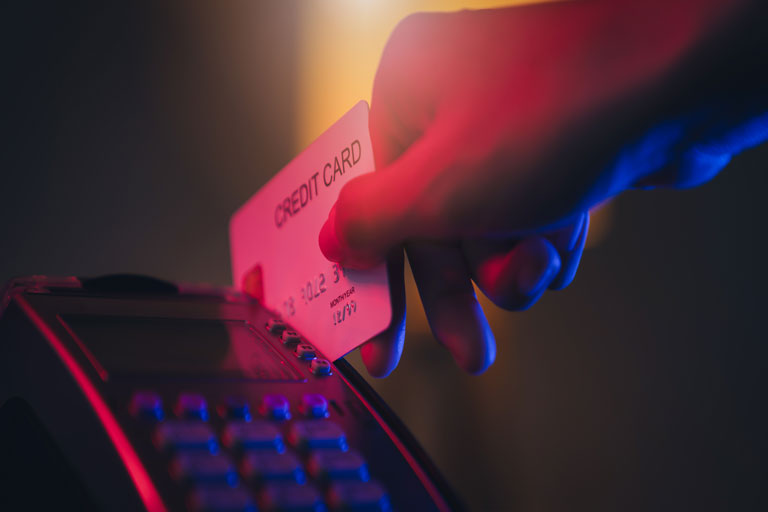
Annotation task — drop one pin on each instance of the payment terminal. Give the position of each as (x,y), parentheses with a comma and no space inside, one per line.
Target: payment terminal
(130,393)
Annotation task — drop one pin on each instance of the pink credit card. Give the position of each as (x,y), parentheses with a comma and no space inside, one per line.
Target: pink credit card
(274,248)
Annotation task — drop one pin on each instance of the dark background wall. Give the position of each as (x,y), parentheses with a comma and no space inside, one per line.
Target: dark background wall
(131,133)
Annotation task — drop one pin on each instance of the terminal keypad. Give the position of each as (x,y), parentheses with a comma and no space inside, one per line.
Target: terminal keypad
(253,435)
(204,467)
(264,466)
(218,498)
(235,408)
(292,496)
(192,406)
(249,466)
(331,465)
(147,405)
(314,405)
(252,465)
(176,435)
(262,458)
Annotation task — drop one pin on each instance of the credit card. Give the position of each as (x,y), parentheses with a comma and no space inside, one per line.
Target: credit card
(275,252)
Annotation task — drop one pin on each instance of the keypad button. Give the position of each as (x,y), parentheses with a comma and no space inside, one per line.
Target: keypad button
(147,405)
(317,434)
(305,351)
(203,467)
(334,465)
(290,337)
(221,498)
(320,367)
(192,406)
(275,407)
(235,408)
(293,497)
(255,435)
(314,406)
(263,466)
(185,435)
(275,326)
(359,496)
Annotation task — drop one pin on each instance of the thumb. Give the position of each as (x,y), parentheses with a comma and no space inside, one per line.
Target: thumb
(360,226)
(380,210)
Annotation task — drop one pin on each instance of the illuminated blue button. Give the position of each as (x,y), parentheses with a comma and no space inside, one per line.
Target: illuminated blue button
(318,434)
(320,367)
(255,435)
(276,407)
(314,405)
(262,466)
(236,408)
(293,497)
(305,351)
(185,435)
(336,465)
(220,498)
(147,404)
(192,406)
(359,496)
(204,467)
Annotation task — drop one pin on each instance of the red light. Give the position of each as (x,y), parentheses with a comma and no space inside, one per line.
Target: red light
(147,491)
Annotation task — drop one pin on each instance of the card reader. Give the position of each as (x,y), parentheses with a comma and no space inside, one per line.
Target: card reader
(130,393)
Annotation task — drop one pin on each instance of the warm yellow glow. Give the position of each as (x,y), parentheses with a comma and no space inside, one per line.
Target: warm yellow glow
(340,42)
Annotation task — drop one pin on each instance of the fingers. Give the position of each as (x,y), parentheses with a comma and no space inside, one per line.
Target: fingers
(409,199)
(361,227)
(569,243)
(382,353)
(513,274)
(449,300)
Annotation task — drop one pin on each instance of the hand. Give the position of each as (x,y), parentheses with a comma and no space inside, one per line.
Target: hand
(495,131)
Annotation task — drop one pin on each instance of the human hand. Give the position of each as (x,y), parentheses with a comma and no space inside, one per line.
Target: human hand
(495,131)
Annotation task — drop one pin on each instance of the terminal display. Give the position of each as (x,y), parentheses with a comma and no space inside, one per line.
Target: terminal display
(178,347)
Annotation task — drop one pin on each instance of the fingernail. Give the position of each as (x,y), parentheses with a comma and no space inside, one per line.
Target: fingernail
(329,243)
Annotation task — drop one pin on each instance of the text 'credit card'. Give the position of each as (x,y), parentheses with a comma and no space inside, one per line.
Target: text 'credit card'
(273,239)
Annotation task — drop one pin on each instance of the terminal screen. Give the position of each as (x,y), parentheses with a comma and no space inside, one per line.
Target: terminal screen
(178,347)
